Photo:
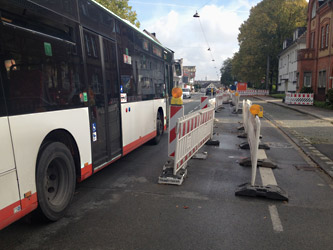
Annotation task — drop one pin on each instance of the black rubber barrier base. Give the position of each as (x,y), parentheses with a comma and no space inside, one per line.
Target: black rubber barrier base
(266,163)
(242,135)
(245,145)
(269,192)
(213,143)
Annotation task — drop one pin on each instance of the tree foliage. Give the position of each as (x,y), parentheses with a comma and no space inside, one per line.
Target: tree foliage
(261,36)
(122,9)
(227,77)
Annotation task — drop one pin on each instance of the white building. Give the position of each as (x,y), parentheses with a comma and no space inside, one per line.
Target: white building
(288,61)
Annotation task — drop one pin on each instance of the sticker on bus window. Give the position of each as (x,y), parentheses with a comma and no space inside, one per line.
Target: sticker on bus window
(123,97)
(85,96)
(127,59)
(48,49)
(94,130)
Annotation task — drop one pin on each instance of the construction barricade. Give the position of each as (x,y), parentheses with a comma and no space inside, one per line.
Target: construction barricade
(193,131)
(253,125)
(246,114)
(299,99)
(187,134)
(219,101)
(254,92)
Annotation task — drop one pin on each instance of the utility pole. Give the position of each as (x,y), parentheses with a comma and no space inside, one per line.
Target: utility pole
(267,72)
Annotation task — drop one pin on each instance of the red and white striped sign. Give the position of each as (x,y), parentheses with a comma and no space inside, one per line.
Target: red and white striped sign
(204,102)
(175,113)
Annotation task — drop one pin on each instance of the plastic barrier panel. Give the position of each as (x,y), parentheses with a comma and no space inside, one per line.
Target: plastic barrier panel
(299,99)
(246,113)
(193,131)
(253,140)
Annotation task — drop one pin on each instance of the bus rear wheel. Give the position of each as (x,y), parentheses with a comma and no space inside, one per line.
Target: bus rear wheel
(55,180)
(159,128)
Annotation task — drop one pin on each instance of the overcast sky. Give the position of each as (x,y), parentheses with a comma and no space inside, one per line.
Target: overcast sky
(216,28)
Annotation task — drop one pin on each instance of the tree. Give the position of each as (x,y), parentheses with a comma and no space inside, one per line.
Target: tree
(261,37)
(227,77)
(122,9)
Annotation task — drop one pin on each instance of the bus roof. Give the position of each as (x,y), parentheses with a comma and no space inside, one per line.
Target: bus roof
(132,26)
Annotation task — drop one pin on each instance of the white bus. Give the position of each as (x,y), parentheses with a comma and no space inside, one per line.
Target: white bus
(79,88)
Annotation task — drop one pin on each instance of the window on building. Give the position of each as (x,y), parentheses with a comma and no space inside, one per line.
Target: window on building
(314,9)
(307,79)
(322,79)
(312,40)
(327,35)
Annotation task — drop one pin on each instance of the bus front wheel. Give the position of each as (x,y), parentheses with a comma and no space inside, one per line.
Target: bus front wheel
(55,180)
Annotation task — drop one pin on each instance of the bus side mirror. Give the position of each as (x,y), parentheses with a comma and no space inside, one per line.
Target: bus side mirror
(178,69)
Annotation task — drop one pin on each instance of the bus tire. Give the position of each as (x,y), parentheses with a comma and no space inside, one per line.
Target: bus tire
(55,180)
(159,128)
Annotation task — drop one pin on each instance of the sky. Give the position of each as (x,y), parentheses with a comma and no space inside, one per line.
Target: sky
(217,28)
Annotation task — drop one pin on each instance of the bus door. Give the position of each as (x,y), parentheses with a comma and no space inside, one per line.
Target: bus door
(103,99)
(9,192)
(112,97)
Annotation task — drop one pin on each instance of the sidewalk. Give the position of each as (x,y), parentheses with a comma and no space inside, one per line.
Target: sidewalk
(320,113)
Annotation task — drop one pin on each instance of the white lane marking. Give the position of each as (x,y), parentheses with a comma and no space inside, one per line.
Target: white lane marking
(329,163)
(267,176)
(277,225)
(261,154)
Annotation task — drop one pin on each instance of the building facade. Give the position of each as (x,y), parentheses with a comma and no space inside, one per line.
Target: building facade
(288,73)
(315,62)
(189,74)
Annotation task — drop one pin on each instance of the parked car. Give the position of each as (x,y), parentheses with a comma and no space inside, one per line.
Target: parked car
(186,93)
(209,91)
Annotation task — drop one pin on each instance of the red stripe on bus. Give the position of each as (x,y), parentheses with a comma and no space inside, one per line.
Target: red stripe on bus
(7,215)
(86,172)
(133,145)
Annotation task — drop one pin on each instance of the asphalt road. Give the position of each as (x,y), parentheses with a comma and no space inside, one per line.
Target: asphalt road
(123,207)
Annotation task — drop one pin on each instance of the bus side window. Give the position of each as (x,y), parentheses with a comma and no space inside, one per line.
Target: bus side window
(42,73)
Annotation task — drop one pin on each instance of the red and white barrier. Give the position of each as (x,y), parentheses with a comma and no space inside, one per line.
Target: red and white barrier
(299,99)
(204,102)
(175,113)
(193,131)
(254,92)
